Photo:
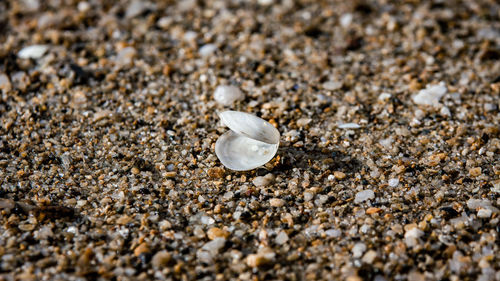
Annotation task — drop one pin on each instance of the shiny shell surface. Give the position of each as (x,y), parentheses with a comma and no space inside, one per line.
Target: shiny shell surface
(251,143)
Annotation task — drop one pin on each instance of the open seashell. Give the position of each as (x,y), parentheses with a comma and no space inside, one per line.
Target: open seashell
(251,143)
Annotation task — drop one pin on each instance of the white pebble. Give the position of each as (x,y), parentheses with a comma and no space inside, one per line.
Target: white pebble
(207,50)
(190,36)
(33,52)
(358,250)
(83,6)
(474,204)
(215,245)
(332,85)
(308,196)
(345,20)
(430,95)
(384,96)
(393,182)
(364,195)
(207,220)
(386,143)
(349,126)
(282,238)
(489,107)
(484,213)
(412,236)
(303,121)
(136,8)
(164,22)
(227,95)
(125,56)
(265,2)
(445,111)
(333,233)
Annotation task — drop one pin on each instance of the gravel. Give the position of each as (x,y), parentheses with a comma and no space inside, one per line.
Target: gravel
(109,118)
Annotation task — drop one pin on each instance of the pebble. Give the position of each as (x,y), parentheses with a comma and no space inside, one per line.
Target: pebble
(475,172)
(345,20)
(4,82)
(364,195)
(7,204)
(161,259)
(227,95)
(393,182)
(484,213)
(445,111)
(263,181)
(141,249)
(430,95)
(281,238)
(384,97)
(207,50)
(333,233)
(303,122)
(474,204)
(349,126)
(332,85)
(125,56)
(215,245)
(358,250)
(339,175)
(308,196)
(83,6)
(412,236)
(136,8)
(369,257)
(264,256)
(276,202)
(33,52)
(216,173)
(207,220)
(373,210)
(216,232)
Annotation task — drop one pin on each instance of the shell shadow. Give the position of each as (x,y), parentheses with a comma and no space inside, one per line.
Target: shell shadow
(316,158)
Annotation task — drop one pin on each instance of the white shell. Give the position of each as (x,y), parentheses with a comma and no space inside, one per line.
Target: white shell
(251,143)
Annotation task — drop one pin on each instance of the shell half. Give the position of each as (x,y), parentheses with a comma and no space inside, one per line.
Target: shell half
(251,143)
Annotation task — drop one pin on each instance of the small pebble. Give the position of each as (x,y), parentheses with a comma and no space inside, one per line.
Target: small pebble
(393,182)
(281,238)
(227,95)
(215,245)
(4,82)
(484,213)
(364,195)
(345,20)
(431,95)
(141,249)
(33,52)
(369,257)
(475,172)
(332,85)
(349,126)
(276,202)
(384,96)
(161,259)
(207,50)
(339,175)
(358,250)
(263,181)
(216,232)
